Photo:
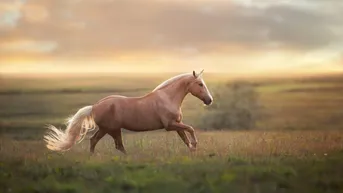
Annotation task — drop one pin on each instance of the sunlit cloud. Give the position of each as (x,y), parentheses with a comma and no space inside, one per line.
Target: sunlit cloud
(28,46)
(247,36)
(10,13)
(35,13)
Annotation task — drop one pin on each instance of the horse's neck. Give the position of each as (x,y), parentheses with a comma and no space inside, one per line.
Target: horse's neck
(176,92)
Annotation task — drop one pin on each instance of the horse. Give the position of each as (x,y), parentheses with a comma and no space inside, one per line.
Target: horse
(158,109)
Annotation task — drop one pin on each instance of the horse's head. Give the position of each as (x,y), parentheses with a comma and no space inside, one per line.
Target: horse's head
(199,89)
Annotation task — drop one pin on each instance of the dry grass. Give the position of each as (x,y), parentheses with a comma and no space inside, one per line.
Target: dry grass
(164,146)
(294,161)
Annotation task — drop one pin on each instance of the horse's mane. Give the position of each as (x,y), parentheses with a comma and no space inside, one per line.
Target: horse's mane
(171,80)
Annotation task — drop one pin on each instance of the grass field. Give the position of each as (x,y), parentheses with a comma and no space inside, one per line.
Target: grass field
(297,145)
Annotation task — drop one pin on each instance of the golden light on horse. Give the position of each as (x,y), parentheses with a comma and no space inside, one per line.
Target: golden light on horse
(159,109)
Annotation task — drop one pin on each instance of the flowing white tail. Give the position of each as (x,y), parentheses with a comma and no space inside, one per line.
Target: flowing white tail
(77,128)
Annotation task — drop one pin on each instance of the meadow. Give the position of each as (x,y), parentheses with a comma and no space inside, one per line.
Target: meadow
(296,144)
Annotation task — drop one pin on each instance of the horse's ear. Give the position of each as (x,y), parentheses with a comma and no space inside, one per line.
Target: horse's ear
(194,74)
(201,72)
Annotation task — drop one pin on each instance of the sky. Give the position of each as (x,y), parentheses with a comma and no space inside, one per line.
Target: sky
(244,37)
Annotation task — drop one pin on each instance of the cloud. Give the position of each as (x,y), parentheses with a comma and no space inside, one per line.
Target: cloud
(10,13)
(35,13)
(88,27)
(28,46)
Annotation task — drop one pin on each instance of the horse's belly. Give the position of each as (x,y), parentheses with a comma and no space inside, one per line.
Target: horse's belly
(142,124)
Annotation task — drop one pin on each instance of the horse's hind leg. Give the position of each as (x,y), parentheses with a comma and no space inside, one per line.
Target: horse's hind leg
(116,135)
(95,139)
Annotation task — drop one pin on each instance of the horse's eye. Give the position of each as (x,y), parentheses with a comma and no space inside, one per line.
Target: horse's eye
(201,85)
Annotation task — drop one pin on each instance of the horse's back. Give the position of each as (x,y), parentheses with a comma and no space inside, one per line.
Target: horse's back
(113,97)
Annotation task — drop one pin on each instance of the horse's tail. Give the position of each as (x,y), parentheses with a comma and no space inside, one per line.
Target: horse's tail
(77,128)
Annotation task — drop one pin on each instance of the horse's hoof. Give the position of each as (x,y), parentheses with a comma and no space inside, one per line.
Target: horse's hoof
(194,144)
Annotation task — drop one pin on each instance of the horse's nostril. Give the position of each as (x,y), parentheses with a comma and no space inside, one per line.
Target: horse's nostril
(210,101)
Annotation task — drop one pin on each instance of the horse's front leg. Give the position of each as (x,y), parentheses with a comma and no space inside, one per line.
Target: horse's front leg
(183,127)
(184,138)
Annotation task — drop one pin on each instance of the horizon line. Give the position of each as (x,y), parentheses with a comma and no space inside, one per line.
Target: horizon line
(130,73)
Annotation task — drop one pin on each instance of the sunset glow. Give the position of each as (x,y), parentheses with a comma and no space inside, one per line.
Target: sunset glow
(238,37)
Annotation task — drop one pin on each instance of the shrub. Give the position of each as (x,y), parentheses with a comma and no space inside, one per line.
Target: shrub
(236,106)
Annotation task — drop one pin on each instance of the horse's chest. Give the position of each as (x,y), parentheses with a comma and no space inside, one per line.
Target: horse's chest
(174,114)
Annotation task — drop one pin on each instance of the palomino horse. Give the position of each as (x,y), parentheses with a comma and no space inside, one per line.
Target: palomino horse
(158,109)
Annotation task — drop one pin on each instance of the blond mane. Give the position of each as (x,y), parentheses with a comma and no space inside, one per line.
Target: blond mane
(171,80)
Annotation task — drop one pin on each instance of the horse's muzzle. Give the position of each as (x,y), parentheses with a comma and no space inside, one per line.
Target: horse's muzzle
(208,101)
